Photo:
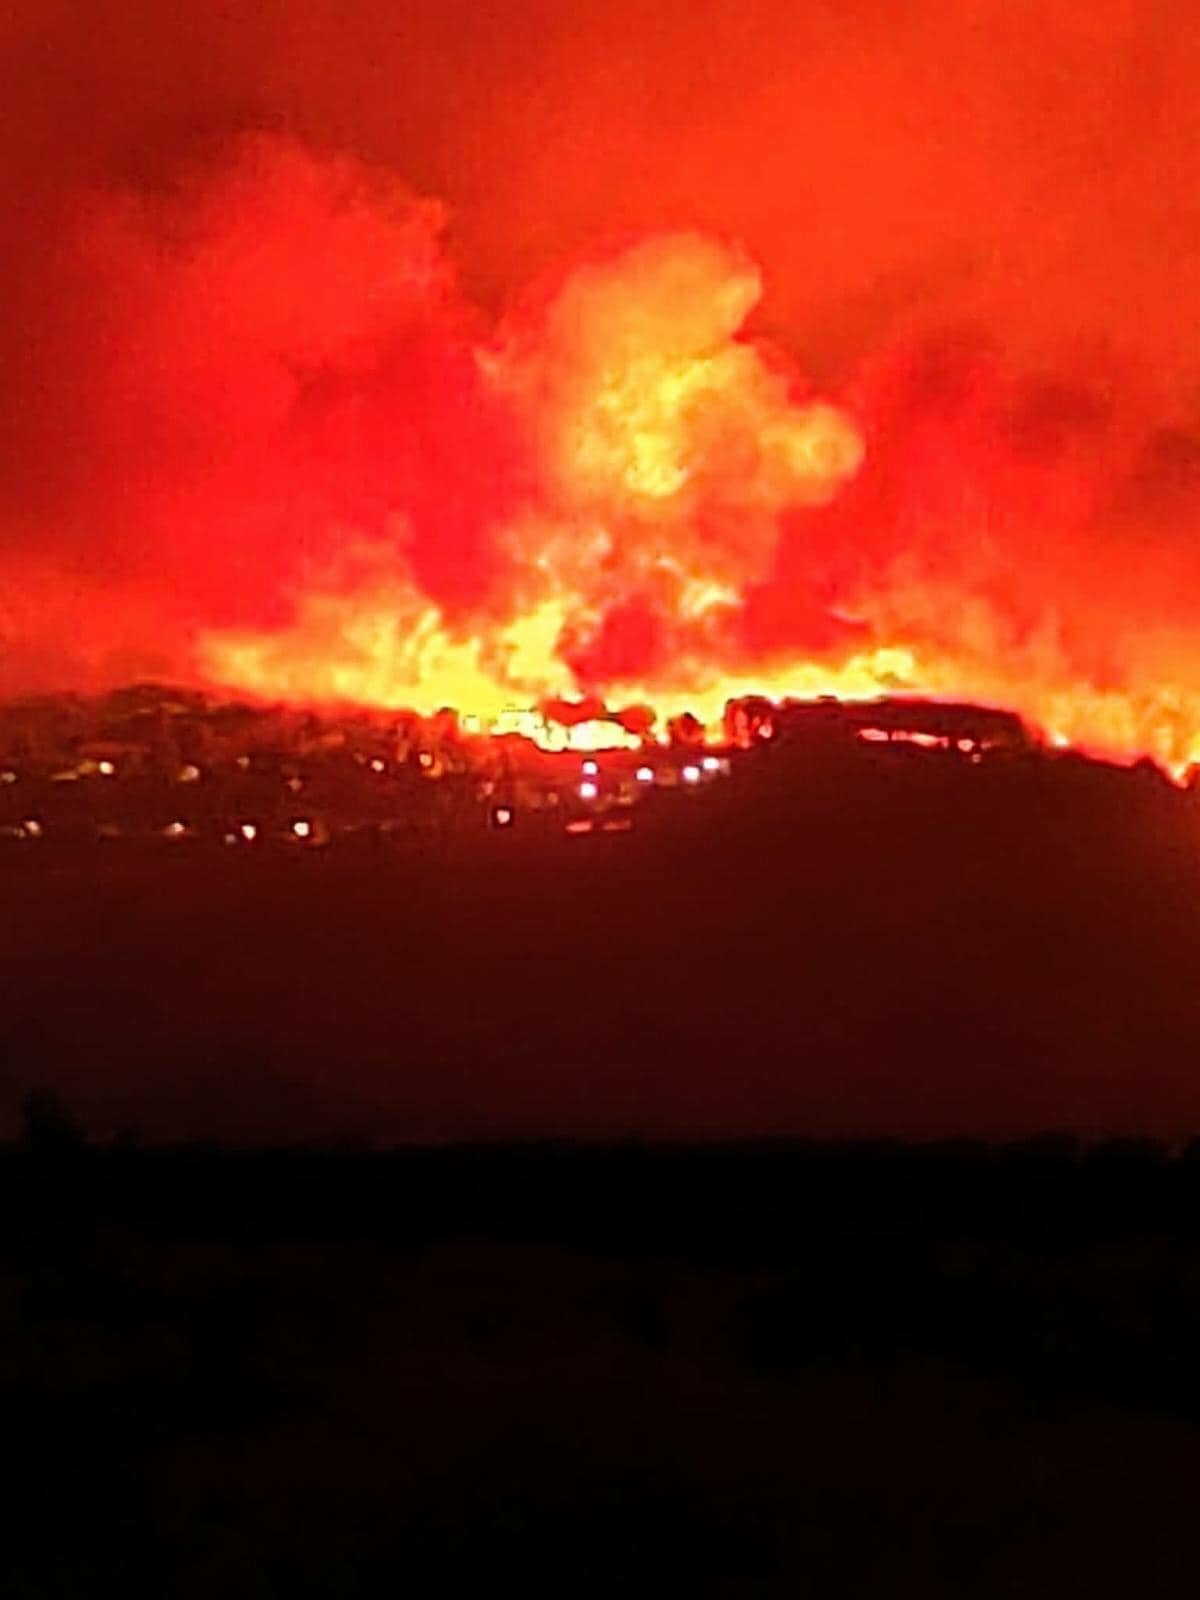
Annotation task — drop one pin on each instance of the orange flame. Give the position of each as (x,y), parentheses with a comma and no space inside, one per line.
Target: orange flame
(315,464)
(667,448)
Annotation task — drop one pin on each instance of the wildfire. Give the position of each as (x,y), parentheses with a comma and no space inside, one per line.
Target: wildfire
(667,447)
(346,486)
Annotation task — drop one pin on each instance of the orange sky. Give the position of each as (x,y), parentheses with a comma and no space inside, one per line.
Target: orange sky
(974,221)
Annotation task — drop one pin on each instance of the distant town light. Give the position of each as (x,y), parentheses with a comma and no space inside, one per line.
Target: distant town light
(425,758)
(175,830)
(248,832)
(105,768)
(644,774)
(302,829)
(590,769)
(711,764)
(33,828)
(189,773)
(377,765)
(588,790)
(502,816)
(8,776)
(691,774)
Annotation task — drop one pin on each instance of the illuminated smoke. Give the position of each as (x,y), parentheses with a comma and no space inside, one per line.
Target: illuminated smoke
(295,460)
(660,451)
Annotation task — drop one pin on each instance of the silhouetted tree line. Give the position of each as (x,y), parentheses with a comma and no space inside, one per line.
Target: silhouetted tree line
(761,1195)
(190,1304)
(1075,1266)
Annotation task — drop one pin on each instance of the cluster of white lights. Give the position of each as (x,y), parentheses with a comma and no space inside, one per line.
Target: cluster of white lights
(301,828)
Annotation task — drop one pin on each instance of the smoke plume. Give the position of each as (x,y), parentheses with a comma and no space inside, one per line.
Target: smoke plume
(648,351)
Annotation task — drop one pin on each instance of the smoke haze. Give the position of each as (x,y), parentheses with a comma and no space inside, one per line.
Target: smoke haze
(253,258)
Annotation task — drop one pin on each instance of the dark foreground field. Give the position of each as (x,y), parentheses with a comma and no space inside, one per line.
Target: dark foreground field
(753,1371)
(572,1368)
(915,946)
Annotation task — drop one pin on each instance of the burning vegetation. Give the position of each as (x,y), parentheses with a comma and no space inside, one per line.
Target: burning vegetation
(152,764)
(322,477)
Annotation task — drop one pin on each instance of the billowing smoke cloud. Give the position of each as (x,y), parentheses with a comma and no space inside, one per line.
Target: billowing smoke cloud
(256,369)
(250,366)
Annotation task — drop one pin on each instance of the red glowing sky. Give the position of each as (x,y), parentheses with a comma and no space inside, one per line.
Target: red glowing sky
(974,223)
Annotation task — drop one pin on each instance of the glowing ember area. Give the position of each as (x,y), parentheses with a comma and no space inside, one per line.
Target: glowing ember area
(665,457)
(662,450)
(311,471)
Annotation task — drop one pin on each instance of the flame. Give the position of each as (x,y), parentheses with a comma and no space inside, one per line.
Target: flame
(668,453)
(331,480)
(668,446)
